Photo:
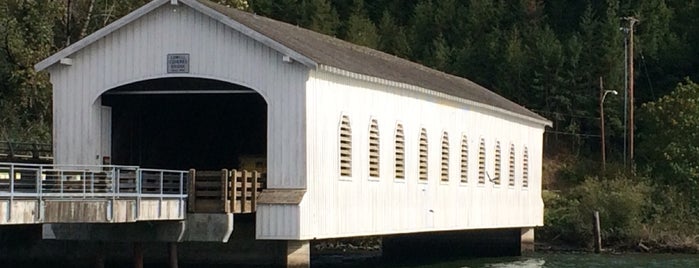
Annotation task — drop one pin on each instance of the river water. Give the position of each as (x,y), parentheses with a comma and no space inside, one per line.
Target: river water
(541,260)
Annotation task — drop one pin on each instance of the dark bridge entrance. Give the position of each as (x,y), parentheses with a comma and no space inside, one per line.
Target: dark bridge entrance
(182,123)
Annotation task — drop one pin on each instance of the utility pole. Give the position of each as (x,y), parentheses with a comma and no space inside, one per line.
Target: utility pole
(602,95)
(632,23)
(601,120)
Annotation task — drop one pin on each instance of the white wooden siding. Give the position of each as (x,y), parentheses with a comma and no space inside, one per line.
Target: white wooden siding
(138,51)
(335,207)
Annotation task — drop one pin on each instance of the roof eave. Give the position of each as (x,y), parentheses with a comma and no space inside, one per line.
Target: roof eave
(140,12)
(222,18)
(77,46)
(338,71)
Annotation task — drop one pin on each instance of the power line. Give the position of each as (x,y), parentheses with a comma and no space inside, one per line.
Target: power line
(573,134)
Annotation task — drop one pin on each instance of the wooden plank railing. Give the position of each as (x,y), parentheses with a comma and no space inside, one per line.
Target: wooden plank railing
(225,191)
(25,152)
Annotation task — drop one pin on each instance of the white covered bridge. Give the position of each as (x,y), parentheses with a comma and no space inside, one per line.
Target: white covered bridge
(350,141)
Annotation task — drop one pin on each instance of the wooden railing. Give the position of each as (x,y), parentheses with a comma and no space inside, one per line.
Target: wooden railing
(224,191)
(25,152)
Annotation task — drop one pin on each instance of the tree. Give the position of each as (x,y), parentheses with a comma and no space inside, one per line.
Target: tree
(320,16)
(392,38)
(669,138)
(26,37)
(360,29)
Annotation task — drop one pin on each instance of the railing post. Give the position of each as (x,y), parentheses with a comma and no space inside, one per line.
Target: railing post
(139,178)
(191,192)
(35,150)
(253,199)
(224,191)
(244,191)
(12,150)
(60,182)
(84,178)
(160,202)
(181,203)
(12,192)
(232,190)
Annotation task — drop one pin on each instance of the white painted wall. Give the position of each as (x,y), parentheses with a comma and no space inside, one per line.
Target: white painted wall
(304,110)
(138,52)
(337,206)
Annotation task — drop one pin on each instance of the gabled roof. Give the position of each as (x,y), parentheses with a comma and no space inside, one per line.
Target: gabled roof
(313,49)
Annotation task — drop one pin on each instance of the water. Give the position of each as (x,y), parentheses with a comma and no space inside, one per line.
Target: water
(546,260)
(542,260)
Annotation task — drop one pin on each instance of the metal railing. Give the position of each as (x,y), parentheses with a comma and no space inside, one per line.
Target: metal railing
(35,181)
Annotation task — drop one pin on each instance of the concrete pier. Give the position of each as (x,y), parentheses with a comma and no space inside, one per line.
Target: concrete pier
(527,240)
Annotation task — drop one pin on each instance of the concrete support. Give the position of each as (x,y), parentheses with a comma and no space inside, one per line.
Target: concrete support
(298,254)
(137,255)
(197,227)
(99,256)
(172,254)
(527,240)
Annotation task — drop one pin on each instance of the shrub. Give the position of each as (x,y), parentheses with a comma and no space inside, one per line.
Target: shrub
(621,202)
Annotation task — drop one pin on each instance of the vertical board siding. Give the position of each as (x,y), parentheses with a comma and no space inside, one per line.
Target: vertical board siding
(360,205)
(138,52)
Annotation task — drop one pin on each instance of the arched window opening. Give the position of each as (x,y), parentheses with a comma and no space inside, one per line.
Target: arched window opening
(511,171)
(345,147)
(374,153)
(400,152)
(525,168)
(481,161)
(423,155)
(445,157)
(464,159)
(498,164)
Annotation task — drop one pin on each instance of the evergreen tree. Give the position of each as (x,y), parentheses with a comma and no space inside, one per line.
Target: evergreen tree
(392,38)
(360,29)
(320,16)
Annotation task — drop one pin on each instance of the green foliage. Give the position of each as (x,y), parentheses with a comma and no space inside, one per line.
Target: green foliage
(669,140)
(360,29)
(26,35)
(622,203)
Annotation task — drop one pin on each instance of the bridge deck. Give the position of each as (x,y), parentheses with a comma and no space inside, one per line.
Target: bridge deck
(34,193)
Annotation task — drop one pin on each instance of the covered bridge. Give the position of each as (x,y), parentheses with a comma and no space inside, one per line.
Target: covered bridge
(354,141)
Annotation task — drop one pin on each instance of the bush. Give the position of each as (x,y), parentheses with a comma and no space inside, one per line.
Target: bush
(621,202)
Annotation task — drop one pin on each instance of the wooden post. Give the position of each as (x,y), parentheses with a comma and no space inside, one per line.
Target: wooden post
(243,190)
(137,255)
(253,199)
(224,191)
(192,191)
(99,256)
(596,232)
(172,253)
(233,194)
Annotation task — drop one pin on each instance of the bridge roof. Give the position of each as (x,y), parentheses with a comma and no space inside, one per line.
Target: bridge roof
(313,49)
